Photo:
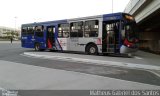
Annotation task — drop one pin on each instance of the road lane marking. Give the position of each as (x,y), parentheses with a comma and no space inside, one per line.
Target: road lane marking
(155,73)
(136,57)
(97,62)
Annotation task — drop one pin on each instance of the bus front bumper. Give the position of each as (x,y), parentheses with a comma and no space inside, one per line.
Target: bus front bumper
(126,50)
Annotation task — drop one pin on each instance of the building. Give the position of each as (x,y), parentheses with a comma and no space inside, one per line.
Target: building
(147,13)
(7,32)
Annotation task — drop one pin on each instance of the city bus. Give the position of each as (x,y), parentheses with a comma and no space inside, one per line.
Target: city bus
(114,33)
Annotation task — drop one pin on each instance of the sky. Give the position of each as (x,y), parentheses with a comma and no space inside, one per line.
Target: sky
(17,12)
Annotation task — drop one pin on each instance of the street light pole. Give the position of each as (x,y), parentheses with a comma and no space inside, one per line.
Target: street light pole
(112,6)
(15,25)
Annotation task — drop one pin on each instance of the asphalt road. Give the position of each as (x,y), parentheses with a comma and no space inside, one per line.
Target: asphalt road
(11,52)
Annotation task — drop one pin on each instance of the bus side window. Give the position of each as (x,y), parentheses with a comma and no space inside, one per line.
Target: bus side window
(63,30)
(59,31)
(39,31)
(123,30)
(54,29)
(30,30)
(24,30)
(73,32)
(76,29)
(91,28)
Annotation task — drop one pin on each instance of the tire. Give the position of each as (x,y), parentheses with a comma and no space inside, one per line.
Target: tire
(37,47)
(92,49)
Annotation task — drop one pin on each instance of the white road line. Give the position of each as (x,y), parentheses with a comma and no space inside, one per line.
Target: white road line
(155,73)
(97,62)
(137,57)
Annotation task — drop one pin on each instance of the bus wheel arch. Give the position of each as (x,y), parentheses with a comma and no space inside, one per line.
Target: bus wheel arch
(91,49)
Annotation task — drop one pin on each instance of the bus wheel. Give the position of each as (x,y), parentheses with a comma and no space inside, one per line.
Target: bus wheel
(92,49)
(37,47)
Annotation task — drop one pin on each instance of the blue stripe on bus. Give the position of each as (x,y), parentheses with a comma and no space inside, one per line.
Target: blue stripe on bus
(59,46)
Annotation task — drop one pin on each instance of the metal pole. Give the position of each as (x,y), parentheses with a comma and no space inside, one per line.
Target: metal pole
(112,6)
(15,24)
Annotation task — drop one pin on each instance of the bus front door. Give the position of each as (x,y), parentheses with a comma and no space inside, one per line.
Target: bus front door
(110,37)
(50,37)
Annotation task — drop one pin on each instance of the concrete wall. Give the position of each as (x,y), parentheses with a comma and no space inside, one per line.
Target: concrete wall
(133,6)
(142,8)
(150,41)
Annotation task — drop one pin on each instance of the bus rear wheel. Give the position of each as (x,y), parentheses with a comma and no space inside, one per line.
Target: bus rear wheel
(92,49)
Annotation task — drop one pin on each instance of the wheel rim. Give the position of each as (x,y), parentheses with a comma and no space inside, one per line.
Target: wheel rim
(92,50)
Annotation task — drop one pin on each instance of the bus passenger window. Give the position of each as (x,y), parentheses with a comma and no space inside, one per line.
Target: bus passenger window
(30,30)
(91,28)
(63,30)
(54,29)
(39,31)
(59,31)
(76,29)
(65,34)
(24,30)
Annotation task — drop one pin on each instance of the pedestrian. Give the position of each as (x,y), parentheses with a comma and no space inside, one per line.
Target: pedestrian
(11,39)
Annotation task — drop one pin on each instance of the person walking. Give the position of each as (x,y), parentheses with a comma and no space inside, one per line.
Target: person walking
(11,39)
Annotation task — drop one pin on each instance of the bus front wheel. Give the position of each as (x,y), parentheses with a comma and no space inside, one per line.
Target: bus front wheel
(92,49)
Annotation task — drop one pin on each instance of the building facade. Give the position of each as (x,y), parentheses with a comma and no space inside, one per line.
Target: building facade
(6,32)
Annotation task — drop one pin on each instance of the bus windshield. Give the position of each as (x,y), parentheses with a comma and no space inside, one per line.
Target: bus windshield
(131,31)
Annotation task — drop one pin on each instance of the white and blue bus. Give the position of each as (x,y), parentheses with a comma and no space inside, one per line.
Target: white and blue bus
(114,33)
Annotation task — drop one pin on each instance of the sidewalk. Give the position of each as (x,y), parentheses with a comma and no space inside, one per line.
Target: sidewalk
(28,77)
(142,60)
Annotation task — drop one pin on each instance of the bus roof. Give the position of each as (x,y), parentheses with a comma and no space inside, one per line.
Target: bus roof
(104,16)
